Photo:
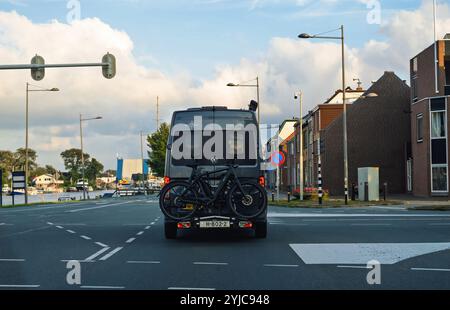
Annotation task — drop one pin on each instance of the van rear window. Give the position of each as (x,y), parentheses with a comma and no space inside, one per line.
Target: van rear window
(224,136)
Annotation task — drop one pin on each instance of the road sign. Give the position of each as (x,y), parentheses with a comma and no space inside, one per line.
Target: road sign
(18,180)
(38,74)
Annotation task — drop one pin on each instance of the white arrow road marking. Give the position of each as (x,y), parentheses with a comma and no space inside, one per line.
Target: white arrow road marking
(361,253)
(96,254)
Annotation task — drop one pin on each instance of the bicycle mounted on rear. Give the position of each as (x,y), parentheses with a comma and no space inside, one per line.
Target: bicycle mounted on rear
(181,200)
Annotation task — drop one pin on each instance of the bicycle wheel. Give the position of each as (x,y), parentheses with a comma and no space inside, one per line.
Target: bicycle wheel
(177,201)
(249,203)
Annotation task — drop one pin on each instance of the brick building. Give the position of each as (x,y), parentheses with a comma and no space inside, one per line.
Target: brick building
(430,83)
(379,135)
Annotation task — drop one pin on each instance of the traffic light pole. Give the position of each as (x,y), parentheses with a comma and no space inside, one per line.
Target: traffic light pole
(38,66)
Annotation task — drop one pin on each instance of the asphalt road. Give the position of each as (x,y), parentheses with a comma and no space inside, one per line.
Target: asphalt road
(120,245)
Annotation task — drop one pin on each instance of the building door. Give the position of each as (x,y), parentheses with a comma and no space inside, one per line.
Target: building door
(409,175)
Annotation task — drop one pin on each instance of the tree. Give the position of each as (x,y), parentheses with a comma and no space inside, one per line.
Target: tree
(6,164)
(72,162)
(93,169)
(158,145)
(20,156)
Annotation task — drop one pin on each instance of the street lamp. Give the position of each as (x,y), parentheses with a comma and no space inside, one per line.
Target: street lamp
(244,84)
(82,153)
(28,90)
(299,96)
(341,38)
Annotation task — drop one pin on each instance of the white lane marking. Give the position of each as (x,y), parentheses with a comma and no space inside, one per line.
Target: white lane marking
(370,224)
(86,237)
(102,287)
(96,254)
(210,263)
(70,231)
(191,288)
(18,286)
(139,233)
(288,224)
(11,260)
(100,207)
(280,265)
(353,267)
(101,244)
(148,227)
(361,253)
(130,240)
(328,215)
(431,269)
(389,208)
(152,223)
(439,224)
(78,260)
(142,262)
(49,223)
(111,253)
(60,227)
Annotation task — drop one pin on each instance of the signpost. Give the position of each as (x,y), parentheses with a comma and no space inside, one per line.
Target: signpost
(18,183)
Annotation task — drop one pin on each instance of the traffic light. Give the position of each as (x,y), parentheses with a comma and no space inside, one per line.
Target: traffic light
(38,74)
(109,71)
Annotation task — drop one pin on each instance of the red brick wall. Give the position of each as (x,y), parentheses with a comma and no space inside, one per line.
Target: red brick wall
(421,151)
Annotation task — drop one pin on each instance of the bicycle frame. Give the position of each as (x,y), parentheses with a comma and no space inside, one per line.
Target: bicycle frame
(205,190)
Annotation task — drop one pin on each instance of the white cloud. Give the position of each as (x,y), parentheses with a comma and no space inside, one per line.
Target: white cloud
(127,102)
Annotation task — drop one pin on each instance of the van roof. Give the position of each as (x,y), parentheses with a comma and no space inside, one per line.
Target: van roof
(212,108)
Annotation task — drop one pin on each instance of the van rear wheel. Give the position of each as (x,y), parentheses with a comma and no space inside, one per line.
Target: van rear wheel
(170,230)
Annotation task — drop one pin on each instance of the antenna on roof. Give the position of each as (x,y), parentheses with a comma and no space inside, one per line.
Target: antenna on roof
(359,84)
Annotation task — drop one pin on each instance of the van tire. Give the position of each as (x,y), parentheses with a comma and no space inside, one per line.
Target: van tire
(170,230)
(261,230)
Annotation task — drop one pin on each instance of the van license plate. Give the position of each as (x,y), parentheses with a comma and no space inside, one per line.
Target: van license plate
(215,224)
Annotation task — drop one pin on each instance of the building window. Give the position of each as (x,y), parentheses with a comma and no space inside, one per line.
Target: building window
(419,125)
(414,88)
(439,178)
(438,124)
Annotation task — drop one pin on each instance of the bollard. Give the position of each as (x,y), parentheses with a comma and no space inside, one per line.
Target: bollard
(353,191)
(385,191)
(289,196)
(273,197)
(366,191)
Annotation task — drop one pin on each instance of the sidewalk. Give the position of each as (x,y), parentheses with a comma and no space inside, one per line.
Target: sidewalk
(408,201)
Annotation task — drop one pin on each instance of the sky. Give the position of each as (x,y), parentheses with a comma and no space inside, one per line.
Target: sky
(185,52)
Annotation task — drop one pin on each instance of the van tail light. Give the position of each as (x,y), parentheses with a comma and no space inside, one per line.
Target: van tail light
(245,224)
(184,225)
(166,180)
(262,181)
